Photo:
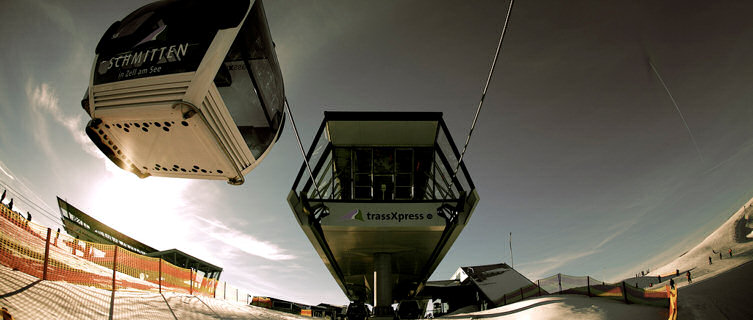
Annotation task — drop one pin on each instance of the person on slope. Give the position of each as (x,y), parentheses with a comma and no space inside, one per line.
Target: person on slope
(690,280)
(6,314)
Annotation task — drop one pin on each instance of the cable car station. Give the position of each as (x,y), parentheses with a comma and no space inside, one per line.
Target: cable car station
(379,202)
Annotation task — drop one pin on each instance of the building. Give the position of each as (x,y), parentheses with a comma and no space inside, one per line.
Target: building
(483,286)
(84,227)
(384,205)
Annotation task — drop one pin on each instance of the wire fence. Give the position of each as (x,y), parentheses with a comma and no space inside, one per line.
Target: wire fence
(51,255)
(564,284)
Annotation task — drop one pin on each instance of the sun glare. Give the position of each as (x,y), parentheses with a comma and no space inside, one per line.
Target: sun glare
(151,210)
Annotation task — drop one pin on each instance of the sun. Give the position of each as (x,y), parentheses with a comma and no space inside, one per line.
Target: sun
(152,210)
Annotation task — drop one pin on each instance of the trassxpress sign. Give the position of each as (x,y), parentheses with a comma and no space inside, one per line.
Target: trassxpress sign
(383,214)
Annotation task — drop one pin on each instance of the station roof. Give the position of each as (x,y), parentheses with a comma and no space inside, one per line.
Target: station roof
(83,226)
(382,128)
(185,260)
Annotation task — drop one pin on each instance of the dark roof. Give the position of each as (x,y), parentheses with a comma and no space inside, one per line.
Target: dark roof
(480,273)
(93,228)
(193,262)
(381,116)
(443,283)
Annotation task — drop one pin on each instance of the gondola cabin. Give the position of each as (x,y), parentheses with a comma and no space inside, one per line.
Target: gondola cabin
(189,89)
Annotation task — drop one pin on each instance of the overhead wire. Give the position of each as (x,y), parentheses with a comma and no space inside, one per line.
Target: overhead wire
(300,147)
(483,94)
(18,195)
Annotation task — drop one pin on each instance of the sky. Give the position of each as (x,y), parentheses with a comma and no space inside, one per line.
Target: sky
(579,150)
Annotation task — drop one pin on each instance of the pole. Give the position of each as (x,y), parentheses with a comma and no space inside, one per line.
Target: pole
(190,290)
(521,293)
(160,275)
(559,281)
(114,268)
(46,255)
(512,260)
(624,292)
(216,282)
(114,272)
(538,282)
(588,284)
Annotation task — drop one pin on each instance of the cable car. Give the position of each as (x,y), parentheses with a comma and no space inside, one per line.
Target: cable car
(186,88)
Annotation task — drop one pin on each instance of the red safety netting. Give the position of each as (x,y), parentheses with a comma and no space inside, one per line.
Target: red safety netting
(50,255)
(585,285)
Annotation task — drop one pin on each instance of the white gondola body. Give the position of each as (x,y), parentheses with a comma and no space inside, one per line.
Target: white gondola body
(177,124)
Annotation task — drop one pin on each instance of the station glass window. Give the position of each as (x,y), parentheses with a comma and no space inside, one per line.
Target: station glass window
(381,173)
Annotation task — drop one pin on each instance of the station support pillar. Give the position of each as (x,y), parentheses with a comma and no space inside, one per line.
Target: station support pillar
(383,285)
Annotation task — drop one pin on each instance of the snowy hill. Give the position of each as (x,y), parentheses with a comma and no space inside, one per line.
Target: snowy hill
(27,297)
(736,234)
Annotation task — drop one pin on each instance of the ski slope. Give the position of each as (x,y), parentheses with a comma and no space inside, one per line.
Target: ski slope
(28,298)
(567,307)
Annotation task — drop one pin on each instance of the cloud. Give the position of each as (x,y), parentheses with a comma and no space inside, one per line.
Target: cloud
(554,262)
(2,165)
(44,106)
(243,242)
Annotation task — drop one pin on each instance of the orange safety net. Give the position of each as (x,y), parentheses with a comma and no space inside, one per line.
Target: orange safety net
(564,284)
(50,255)
(672,292)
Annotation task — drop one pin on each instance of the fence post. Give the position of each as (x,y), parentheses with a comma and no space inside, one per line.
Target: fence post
(559,281)
(539,285)
(114,271)
(216,282)
(114,268)
(588,284)
(190,291)
(624,292)
(160,275)
(46,255)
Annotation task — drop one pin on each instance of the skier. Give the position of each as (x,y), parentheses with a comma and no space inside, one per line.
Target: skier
(6,314)
(730,252)
(690,280)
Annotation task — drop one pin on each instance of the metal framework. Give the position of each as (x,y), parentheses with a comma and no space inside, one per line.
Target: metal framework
(385,214)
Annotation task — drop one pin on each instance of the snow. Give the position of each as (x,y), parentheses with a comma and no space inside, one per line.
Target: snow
(567,307)
(26,297)
(733,234)
(719,290)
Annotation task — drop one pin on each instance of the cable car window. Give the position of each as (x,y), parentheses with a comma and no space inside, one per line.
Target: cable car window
(249,83)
